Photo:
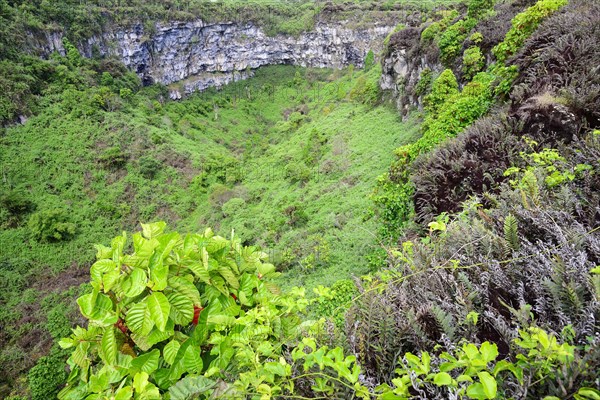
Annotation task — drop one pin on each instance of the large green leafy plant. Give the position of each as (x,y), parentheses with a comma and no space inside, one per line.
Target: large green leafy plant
(198,307)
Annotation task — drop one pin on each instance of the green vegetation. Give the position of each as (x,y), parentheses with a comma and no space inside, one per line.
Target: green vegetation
(471,272)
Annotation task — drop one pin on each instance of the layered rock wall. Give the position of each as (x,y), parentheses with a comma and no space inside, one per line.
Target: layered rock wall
(198,55)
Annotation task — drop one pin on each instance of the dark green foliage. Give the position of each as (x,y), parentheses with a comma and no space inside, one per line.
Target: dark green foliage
(48,375)
(523,25)
(478,8)
(149,166)
(16,202)
(424,84)
(113,157)
(51,226)
(369,60)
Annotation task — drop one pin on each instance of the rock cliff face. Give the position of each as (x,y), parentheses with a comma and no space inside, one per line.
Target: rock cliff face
(198,55)
(402,66)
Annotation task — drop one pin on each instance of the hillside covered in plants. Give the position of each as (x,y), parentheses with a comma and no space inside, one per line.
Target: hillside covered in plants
(384,200)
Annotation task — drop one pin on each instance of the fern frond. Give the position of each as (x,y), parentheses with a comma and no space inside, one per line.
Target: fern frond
(511,231)
(444,321)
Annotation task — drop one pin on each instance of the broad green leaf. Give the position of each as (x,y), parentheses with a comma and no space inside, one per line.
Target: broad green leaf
(155,336)
(475,391)
(442,379)
(159,309)
(490,387)
(266,269)
(489,351)
(98,383)
(118,244)
(170,351)
(221,320)
(588,393)
(125,393)
(192,360)
(103,252)
(139,320)
(108,346)
(135,283)
(158,272)
(190,387)
(200,271)
(98,308)
(182,308)
(186,288)
(147,363)
(152,230)
(101,267)
(229,276)
(140,381)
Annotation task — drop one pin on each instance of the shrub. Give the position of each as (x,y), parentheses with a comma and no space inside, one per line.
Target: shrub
(478,8)
(425,80)
(369,60)
(233,206)
(191,300)
(16,202)
(523,25)
(48,375)
(149,166)
(473,62)
(451,40)
(51,226)
(113,157)
(443,87)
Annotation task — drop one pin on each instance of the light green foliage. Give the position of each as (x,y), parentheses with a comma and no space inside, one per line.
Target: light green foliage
(450,111)
(451,40)
(523,25)
(444,87)
(432,32)
(549,163)
(334,301)
(51,226)
(424,84)
(470,371)
(473,62)
(175,305)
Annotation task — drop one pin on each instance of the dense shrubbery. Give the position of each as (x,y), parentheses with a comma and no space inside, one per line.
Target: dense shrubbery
(51,226)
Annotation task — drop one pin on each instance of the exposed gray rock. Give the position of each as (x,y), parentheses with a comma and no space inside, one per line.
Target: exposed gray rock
(202,55)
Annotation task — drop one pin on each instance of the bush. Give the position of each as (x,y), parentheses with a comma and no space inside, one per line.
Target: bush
(16,202)
(444,87)
(473,62)
(451,40)
(233,206)
(523,25)
(369,60)
(48,375)
(51,226)
(149,166)
(425,80)
(478,8)
(113,157)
